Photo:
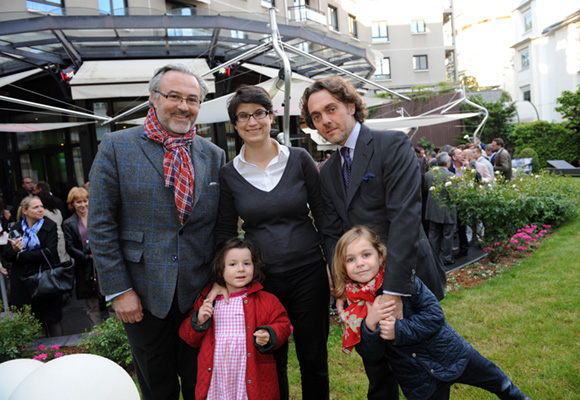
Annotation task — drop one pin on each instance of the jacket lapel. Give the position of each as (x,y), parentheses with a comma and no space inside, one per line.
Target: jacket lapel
(155,154)
(362,157)
(198,158)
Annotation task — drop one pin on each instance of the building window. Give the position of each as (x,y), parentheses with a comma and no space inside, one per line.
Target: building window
(420,63)
(380,31)
(417,26)
(352,28)
(525,59)
(112,7)
(53,6)
(267,3)
(383,68)
(526,94)
(528,22)
(237,34)
(333,18)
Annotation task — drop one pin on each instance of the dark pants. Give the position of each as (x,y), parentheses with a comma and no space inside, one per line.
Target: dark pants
(462,234)
(482,373)
(441,238)
(305,293)
(382,383)
(159,356)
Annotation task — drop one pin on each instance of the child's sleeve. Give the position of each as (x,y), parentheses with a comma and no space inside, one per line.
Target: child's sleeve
(425,321)
(371,346)
(277,325)
(190,331)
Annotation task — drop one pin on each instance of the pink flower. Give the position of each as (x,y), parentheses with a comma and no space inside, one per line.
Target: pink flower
(42,356)
(55,347)
(42,347)
(58,355)
(533,240)
(546,226)
(496,244)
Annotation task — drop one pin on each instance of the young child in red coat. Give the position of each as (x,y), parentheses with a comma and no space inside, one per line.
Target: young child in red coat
(237,338)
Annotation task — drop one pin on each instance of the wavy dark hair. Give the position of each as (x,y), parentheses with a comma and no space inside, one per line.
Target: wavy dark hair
(218,265)
(340,89)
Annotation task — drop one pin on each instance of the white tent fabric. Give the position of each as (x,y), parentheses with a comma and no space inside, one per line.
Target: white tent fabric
(7,80)
(125,78)
(405,124)
(32,127)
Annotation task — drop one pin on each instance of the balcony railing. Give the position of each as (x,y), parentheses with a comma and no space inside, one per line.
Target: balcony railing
(305,13)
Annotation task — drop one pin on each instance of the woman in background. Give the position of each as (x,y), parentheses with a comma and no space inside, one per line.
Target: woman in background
(77,246)
(36,234)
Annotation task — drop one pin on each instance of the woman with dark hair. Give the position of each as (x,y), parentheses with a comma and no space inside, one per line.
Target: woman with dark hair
(36,235)
(273,189)
(77,246)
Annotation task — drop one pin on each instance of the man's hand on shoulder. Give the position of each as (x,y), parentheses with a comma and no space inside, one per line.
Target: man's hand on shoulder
(128,307)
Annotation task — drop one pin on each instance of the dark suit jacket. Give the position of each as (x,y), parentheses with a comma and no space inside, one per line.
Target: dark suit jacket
(136,237)
(84,284)
(503,163)
(439,208)
(384,194)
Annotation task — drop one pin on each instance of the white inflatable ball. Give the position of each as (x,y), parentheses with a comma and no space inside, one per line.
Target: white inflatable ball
(77,376)
(13,372)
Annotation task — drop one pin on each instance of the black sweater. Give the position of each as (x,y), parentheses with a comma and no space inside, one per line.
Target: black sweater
(278,221)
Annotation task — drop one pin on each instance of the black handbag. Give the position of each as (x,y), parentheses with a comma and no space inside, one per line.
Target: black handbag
(50,280)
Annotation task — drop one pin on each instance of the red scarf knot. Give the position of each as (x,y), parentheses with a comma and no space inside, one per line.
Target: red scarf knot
(358,294)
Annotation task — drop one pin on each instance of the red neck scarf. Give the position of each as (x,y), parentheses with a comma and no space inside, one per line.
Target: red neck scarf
(177,164)
(357,294)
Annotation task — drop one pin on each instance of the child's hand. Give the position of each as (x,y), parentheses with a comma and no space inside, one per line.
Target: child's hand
(205,312)
(377,311)
(387,327)
(262,337)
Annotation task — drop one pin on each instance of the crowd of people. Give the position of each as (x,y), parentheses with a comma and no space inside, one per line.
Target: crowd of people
(211,266)
(439,215)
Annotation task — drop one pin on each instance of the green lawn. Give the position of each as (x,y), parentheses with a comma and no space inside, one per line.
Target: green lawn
(526,320)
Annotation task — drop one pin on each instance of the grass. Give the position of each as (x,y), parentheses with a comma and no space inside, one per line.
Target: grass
(526,320)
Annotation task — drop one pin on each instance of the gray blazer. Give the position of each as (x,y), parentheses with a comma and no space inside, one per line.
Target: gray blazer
(384,194)
(135,234)
(439,208)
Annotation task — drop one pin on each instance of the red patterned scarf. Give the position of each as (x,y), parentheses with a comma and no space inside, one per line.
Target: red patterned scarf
(177,164)
(357,294)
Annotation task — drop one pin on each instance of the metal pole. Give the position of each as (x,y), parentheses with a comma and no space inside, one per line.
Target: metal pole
(344,71)
(287,76)
(51,108)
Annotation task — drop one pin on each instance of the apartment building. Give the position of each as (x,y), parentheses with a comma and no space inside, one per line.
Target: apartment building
(410,44)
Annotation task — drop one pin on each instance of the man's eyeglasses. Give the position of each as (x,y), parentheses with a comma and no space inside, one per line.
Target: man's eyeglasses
(191,101)
(258,114)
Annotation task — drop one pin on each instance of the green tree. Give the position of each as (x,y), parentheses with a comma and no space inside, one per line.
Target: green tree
(497,124)
(552,141)
(570,108)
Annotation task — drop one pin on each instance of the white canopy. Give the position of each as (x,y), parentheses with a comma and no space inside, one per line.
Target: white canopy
(125,78)
(37,127)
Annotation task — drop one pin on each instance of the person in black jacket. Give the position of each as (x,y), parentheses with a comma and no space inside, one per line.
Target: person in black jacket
(36,235)
(425,353)
(77,246)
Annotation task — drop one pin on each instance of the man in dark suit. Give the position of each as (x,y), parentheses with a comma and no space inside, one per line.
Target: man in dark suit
(382,190)
(502,160)
(440,211)
(153,208)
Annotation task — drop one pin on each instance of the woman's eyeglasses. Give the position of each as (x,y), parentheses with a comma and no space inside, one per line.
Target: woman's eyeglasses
(258,114)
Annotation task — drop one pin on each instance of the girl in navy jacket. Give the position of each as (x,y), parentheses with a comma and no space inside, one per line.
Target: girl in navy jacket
(425,353)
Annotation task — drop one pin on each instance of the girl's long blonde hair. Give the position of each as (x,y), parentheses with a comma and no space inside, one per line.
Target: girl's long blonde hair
(339,260)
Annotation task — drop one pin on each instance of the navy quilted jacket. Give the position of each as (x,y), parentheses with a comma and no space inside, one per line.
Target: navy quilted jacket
(426,348)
